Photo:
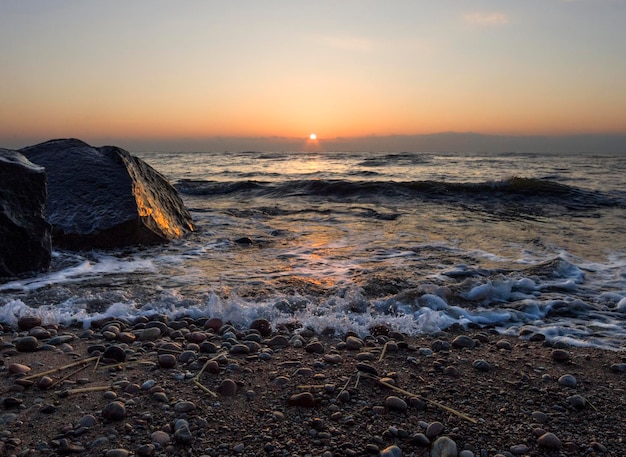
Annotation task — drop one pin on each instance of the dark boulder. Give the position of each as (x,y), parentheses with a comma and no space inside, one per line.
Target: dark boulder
(105,197)
(24,232)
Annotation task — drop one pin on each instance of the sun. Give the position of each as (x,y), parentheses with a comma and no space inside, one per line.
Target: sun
(312,136)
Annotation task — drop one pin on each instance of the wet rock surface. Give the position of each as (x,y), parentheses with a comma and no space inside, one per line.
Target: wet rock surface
(103,197)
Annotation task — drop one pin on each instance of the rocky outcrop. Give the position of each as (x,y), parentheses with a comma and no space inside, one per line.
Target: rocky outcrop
(24,232)
(104,197)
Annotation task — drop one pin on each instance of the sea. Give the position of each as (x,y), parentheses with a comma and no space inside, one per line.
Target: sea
(532,245)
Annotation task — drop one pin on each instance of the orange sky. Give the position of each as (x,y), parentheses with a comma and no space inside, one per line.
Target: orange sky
(200,69)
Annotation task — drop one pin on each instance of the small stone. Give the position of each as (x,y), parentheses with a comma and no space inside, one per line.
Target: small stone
(560,355)
(45,382)
(504,344)
(333,359)
(150,334)
(183,435)
(114,411)
(549,441)
(439,345)
(393,403)
(160,437)
(227,388)
(568,380)
(539,417)
(145,450)
(354,343)
(28,322)
(434,429)
(12,402)
(215,324)
(184,406)
(519,449)
(577,401)
(304,399)
(117,453)
(481,365)
(27,344)
(238,448)
(451,371)
(88,420)
(463,341)
(391,451)
(239,349)
(167,360)
(420,440)
(278,341)
(466,453)
(115,353)
(618,368)
(367,368)
(18,368)
(314,347)
(444,447)
(263,326)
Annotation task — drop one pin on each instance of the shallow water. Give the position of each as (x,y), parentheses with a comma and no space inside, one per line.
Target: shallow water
(349,240)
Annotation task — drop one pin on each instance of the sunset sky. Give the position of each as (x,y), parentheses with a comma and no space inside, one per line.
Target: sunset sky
(136,72)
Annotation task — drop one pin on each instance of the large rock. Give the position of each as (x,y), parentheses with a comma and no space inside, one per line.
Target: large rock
(24,232)
(105,197)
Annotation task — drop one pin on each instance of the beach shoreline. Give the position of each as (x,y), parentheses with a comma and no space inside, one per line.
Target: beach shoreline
(201,387)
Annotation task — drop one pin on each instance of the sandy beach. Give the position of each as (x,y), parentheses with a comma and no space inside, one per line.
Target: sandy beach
(158,387)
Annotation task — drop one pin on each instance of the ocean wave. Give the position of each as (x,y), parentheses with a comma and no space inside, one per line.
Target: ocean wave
(512,190)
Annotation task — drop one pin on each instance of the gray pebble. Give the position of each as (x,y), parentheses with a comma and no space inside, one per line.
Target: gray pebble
(463,341)
(117,453)
(519,449)
(27,344)
(227,388)
(481,365)
(444,447)
(434,429)
(577,401)
(184,406)
(568,380)
(353,343)
(150,334)
(539,417)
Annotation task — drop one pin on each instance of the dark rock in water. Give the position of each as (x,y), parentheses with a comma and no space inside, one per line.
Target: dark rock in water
(24,232)
(105,197)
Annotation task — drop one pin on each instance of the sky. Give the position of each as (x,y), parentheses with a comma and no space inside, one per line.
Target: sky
(150,73)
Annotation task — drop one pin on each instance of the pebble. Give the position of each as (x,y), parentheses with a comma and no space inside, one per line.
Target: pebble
(333,359)
(227,388)
(393,403)
(367,368)
(434,429)
(314,347)
(18,368)
(184,406)
(278,341)
(114,411)
(618,368)
(451,371)
(115,353)
(466,453)
(354,343)
(444,447)
(117,453)
(150,334)
(88,420)
(463,341)
(577,401)
(439,345)
(27,344)
(303,399)
(45,382)
(421,440)
(481,365)
(263,326)
(539,417)
(568,380)
(183,435)
(391,451)
(167,360)
(160,437)
(519,449)
(560,355)
(145,450)
(549,441)
(28,322)
(504,344)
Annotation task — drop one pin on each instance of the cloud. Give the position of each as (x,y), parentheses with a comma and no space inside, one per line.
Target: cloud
(487,19)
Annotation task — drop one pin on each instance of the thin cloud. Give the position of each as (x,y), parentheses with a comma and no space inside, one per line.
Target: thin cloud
(487,19)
